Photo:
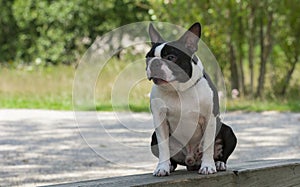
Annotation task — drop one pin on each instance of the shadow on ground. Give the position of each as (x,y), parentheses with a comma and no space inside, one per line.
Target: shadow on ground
(47,147)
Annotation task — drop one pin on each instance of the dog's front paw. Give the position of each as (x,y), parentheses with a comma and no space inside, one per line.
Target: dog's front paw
(162,169)
(207,168)
(221,166)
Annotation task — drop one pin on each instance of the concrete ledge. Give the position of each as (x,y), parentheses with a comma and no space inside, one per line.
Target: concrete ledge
(256,173)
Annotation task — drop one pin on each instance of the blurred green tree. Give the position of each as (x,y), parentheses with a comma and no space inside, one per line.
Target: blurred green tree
(255,42)
(8,32)
(60,31)
(288,39)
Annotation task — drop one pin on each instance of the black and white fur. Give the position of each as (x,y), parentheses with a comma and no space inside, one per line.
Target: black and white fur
(185,108)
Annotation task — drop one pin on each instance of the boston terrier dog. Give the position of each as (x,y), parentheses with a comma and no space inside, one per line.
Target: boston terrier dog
(185,108)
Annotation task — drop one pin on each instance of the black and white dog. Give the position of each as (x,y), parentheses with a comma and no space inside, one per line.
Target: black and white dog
(185,108)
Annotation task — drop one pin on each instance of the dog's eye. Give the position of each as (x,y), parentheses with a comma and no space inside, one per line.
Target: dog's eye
(171,57)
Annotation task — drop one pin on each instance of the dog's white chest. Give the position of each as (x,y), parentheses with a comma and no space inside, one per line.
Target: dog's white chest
(184,109)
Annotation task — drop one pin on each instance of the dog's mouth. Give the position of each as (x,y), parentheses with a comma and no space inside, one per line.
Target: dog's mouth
(158,81)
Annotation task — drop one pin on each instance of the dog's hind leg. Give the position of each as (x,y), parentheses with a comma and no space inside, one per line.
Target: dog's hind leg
(224,145)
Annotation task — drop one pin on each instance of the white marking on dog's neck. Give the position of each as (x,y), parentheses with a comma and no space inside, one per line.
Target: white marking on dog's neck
(157,51)
(196,75)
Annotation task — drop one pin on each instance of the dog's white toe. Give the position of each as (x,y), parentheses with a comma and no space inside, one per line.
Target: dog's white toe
(162,169)
(206,169)
(220,166)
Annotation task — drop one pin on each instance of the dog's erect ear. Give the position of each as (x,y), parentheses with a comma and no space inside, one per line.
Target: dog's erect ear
(191,37)
(154,35)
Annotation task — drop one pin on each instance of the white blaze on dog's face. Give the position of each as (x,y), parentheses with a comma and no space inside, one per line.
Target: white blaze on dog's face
(172,61)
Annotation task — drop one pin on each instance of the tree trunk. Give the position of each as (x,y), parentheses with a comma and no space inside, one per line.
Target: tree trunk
(262,60)
(241,53)
(233,67)
(288,77)
(232,52)
(266,46)
(251,41)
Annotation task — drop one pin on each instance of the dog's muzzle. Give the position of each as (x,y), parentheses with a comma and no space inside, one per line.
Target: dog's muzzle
(157,71)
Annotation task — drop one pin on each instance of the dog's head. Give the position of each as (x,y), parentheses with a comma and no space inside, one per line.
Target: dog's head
(173,61)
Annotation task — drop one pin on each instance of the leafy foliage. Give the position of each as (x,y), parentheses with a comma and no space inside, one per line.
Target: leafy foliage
(255,42)
(60,31)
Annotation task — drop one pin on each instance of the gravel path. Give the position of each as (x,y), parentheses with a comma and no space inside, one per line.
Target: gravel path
(41,147)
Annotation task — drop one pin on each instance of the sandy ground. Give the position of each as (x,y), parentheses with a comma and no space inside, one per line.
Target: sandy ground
(40,147)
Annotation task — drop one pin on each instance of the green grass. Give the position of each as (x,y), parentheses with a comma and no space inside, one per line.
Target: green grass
(245,105)
(51,88)
(39,88)
(258,105)
(131,107)
(36,102)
